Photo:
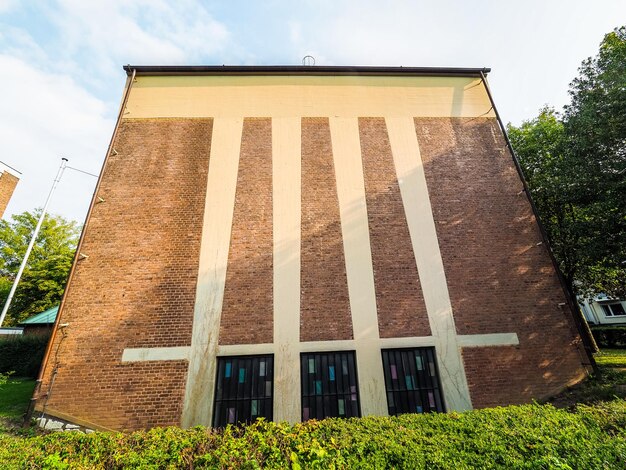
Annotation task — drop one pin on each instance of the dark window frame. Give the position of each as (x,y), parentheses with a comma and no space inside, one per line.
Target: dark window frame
(414,397)
(250,394)
(329,392)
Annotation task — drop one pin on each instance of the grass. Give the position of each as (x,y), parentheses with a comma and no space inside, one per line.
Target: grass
(14,398)
(611,358)
(15,394)
(608,384)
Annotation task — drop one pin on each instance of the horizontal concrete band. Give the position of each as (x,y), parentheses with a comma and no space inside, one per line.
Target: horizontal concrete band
(182,352)
(156,354)
(493,339)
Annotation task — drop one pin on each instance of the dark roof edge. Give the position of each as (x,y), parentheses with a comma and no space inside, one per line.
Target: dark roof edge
(302,70)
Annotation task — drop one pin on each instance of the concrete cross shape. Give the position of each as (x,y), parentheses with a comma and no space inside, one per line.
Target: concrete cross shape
(286,148)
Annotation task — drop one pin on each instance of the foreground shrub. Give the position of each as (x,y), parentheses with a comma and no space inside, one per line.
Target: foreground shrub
(530,436)
(22,354)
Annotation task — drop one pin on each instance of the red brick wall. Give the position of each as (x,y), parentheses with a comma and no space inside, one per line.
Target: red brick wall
(8,182)
(500,277)
(137,287)
(399,299)
(247,312)
(324,302)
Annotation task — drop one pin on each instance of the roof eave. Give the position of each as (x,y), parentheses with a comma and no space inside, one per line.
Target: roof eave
(303,70)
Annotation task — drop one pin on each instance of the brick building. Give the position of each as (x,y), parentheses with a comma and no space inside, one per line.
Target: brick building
(302,242)
(8,181)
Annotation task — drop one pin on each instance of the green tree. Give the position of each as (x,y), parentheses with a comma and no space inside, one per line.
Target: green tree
(575,165)
(540,146)
(595,124)
(45,275)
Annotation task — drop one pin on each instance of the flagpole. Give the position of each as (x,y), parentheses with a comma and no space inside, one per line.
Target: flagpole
(7,304)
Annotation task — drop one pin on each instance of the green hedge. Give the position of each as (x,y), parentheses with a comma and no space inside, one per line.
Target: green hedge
(528,437)
(610,336)
(22,354)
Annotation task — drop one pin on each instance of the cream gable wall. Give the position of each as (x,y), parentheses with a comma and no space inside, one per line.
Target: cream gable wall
(307,96)
(287,99)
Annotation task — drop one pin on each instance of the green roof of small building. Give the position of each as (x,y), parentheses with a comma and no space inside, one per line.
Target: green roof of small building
(43,318)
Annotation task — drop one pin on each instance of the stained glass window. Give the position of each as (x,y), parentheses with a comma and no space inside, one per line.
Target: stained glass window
(244,389)
(412,381)
(329,385)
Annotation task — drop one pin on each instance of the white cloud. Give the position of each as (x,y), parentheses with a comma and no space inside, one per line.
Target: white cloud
(295,32)
(6,5)
(42,118)
(49,108)
(107,34)
(19,43)
(61,77)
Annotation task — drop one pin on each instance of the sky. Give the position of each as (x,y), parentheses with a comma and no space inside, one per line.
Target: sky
(61,76)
